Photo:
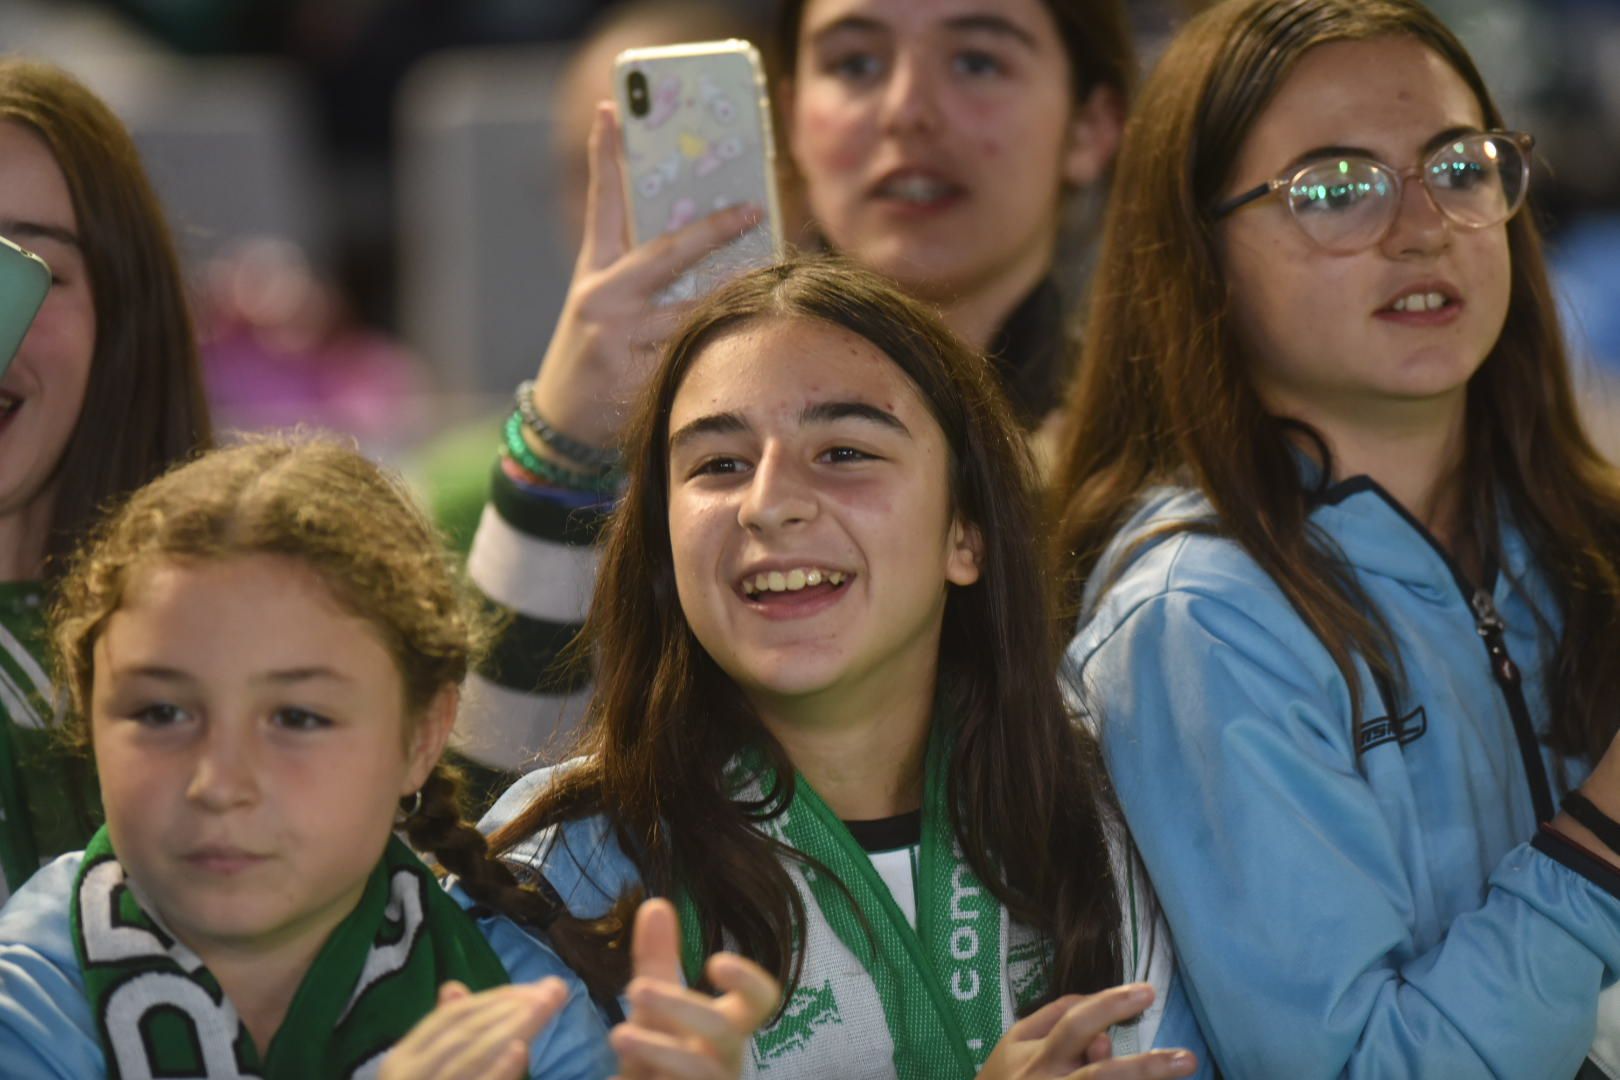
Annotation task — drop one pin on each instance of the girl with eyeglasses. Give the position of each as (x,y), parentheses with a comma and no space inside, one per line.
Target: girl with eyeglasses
(1348,568)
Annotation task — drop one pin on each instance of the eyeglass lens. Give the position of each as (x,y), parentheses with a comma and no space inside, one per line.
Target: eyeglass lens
(1347,204)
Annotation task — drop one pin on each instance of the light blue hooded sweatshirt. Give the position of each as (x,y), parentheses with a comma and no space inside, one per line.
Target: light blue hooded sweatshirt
(1386,909)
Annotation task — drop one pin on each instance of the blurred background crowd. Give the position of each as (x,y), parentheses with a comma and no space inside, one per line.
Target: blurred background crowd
(378,200)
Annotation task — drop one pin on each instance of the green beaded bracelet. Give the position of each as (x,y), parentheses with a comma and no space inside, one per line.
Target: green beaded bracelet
(603,482)
(596,457)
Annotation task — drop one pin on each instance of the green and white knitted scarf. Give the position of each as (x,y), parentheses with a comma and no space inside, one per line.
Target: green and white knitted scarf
(919,1004)
(162,1014)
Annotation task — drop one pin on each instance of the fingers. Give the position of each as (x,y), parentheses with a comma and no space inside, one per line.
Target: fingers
(655,264)
(1089,1017)
(1154,1065)
(682,1014)
(607,233)
(749,995)
(1039,1024)
(472,1034)
(646,1053)
(655,943)
(452,991)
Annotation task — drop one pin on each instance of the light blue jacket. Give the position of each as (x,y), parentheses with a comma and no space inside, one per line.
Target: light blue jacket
(1385,913)
(47,1030)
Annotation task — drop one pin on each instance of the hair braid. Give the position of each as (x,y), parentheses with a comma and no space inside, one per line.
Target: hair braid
(438,829)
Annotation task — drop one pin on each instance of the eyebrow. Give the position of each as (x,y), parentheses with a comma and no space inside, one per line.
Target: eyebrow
(977,22)
(33,230)
(1433,143)
(826,412)
(714,424)
(821,412)
(279,677)
(989,23)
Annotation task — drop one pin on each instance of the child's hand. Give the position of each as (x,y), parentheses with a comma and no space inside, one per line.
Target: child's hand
(1069,1038)
(606,342)
(674,1032)
(477,1036)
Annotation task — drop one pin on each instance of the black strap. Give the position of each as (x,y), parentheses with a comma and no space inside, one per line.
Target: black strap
(1604,827)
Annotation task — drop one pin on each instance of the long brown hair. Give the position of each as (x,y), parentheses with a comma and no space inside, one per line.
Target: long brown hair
(143,406)
(323,506)
(1025,786)
(1163,396)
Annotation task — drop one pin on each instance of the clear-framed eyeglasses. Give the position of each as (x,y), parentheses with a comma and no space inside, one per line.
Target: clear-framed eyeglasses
(1348,204)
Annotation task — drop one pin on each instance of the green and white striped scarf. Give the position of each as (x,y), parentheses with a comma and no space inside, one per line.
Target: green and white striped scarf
(161,1013)
(928,1003)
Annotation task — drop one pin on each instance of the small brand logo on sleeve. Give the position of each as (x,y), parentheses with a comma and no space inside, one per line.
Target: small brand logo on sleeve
(1401,729)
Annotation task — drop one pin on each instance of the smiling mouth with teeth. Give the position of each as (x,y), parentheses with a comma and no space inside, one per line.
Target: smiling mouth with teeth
(1421,302)
(795,580)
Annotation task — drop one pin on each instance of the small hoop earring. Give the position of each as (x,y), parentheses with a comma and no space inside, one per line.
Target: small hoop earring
(406,812)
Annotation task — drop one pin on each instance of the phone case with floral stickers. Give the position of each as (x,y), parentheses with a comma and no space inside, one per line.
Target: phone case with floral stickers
(696,129)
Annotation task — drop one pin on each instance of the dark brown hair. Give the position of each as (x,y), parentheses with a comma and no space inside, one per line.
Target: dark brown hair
(323,506)
(143,406)
(1025,785)
(1164,395)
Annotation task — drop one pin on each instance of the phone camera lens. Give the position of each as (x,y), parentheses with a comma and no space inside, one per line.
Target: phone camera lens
(636,86)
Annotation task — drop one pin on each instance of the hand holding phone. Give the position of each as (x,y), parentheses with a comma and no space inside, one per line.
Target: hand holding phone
(696,127)
(24,282)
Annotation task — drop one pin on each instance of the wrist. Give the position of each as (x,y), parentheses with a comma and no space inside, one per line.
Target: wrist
(560,471)
(574,404)
(539,432)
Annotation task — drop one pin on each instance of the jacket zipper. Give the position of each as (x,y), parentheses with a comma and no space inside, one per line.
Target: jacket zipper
(1491,629)
(1488,622)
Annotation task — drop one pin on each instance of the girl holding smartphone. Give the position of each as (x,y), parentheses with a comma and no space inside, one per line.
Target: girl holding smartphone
(103,394)
(938,143)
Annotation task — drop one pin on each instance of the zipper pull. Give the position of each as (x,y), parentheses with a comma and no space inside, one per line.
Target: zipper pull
(1491,627)
(1486,620)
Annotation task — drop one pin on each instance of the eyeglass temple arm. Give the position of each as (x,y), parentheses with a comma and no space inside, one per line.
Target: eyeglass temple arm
(1238,202)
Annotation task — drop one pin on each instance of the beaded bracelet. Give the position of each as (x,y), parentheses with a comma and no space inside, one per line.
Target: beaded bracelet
(1604,827)
(597,457)
(602,482)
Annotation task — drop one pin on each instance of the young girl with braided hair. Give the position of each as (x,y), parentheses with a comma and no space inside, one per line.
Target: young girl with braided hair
(263,650)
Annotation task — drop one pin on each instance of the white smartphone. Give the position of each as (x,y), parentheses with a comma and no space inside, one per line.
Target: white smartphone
(24,281)
(696,124)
